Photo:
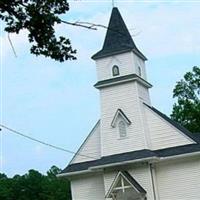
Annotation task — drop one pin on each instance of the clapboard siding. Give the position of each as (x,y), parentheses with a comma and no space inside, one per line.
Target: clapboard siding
(123,61)
(140,173)
(138,62)
(108,179)
(88,188)
(143,177)
(127,62)
(179,180)
(124,97)
(91,147)
(143,93)
(163,134)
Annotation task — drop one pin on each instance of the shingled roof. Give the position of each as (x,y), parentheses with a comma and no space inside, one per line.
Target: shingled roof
(118,38)
(133,156)
(144,153)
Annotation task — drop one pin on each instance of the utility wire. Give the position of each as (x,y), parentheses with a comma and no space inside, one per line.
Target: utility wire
(44,143)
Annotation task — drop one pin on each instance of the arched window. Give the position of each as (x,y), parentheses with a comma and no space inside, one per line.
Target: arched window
(122,129)
(115,70)
(139,71)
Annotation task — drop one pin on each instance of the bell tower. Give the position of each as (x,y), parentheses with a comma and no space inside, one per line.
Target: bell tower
(123,87)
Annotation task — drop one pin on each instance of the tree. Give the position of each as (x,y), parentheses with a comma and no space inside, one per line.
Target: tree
(187,109)
(38,17)
(35,186)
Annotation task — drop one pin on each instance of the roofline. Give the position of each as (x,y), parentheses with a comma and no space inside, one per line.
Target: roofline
(137,52)
(99,167)
(179,156)
(72,173)
(121,79)
(153,159)
(124,163)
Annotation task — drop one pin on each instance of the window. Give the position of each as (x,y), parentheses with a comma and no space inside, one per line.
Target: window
(122,129)
(139,71)
(115,70)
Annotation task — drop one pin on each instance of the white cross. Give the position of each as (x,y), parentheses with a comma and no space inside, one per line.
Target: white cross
(113,3)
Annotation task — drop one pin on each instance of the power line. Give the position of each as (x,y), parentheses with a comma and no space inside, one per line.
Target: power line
(44,143)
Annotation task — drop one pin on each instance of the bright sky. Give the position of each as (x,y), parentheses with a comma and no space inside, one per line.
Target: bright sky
(57,103)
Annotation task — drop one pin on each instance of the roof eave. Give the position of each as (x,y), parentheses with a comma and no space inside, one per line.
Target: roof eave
(121,79)
(100,167)
(100,54)
(153,159)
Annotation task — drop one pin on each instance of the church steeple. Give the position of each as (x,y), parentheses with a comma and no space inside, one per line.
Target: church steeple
(118,39)
(123,87)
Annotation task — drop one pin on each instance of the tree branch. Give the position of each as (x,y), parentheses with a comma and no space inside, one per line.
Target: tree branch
(79,24)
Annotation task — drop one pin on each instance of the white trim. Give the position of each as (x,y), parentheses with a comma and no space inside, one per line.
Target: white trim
(117,114)
(120,188)
(154,181)
(154,158)
(73,173)
(145,126)
(112,187)
(150,159)
(139,79)
(186,155)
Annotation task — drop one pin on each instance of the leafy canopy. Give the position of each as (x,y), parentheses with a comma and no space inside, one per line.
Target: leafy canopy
(38,17)
(35,186)
(187,109)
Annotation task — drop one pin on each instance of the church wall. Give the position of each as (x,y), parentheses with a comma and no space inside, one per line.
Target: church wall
(88,187)
(125,97)
(91,147)
(163,134)
(140,173)
(179,180)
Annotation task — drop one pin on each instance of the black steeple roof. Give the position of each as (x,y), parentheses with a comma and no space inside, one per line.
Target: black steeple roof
(118,39)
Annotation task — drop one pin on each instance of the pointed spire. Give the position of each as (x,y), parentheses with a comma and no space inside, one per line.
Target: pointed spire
(118,38)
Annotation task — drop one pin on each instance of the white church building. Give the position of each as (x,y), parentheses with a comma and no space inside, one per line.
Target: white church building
(134,152)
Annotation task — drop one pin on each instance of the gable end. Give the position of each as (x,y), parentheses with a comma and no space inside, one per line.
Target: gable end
(90,148)
(183,130)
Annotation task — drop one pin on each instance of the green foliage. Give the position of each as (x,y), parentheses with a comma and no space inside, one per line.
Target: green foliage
(187,109)
(39,18)
(35,186)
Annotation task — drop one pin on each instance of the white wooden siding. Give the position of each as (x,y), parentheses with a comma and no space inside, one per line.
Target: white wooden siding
(163,134)
(91,147)
(88,187)
(143,177)
(127,62)
(125,97)
(143,93)
(108,179)
(123,61)
(179,180)
(138,62)
(140,173)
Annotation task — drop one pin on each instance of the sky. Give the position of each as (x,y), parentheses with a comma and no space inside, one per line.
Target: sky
(57,103)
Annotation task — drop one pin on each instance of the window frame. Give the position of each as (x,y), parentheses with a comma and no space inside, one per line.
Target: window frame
(139,71)
(115,67)
(122,129)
